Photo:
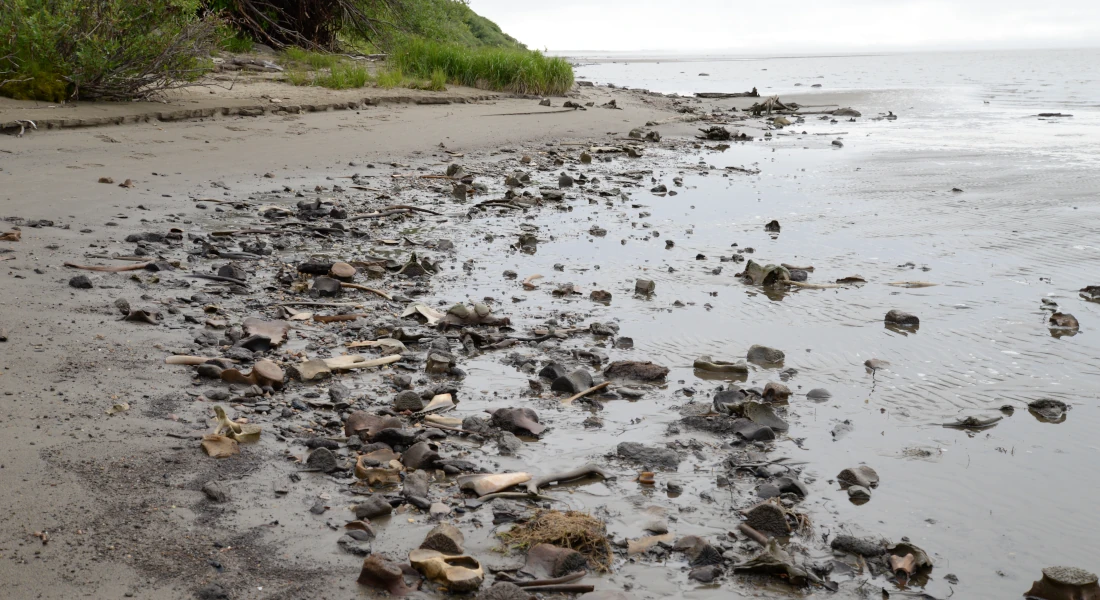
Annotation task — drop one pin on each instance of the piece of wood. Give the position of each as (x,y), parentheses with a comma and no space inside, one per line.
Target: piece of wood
(589,469)
(180,359)
(337,318)
(117,269)
(570,578)
(756,536)
(594,388)
(356,286)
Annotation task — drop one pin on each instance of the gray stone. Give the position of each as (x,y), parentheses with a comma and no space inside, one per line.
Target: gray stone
(81,282)
(819,394)
(858,492)
(419,456)
(904,319)
(215,492)
(552,371)
(415,485)
(373,507)
(438,510)
(504,591)
(862,475)
(445,538)
(705,574)
(869,547)
(765,355)
(644,286)
(573,383)
(508,444)
(396,437)
(650,456)
(322,459)
(408,400)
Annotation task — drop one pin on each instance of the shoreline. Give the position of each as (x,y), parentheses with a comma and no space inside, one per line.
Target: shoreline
(126,511)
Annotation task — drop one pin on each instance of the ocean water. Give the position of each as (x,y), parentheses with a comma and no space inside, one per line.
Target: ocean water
(993,507)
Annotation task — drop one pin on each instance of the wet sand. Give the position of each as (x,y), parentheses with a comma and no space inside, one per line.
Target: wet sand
(122,501)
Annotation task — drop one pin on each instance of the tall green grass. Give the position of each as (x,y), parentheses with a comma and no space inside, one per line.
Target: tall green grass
(390,78)
(314,60)
(504,69)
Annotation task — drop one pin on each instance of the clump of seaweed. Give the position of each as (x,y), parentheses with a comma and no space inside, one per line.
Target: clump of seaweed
(574,530)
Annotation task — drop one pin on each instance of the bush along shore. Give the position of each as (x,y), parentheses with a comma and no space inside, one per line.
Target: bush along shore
(67,50)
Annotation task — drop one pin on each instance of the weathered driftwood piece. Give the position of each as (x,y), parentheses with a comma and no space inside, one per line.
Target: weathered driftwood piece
(589,469)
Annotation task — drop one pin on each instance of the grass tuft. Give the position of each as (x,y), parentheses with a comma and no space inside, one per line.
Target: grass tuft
(314,60)
(505,69)
(390,78)
(344,77)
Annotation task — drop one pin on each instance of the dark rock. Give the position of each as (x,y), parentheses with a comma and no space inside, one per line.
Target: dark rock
(372,508)
(772,226)
(552,371)
(782,485)
(819,394)
(408,400)
(776,392)
(81,282)
(753,432)
(768,517)
(858,492)
(904,319)
(322,459)
(394,436)
(415,485)
(573,383)
(325,287)
(869,547)
(445,538)
(419,456)
(517,420)
(649,455)
(705,574)
(636,371)
(232,271)
(353,545)
(862,475)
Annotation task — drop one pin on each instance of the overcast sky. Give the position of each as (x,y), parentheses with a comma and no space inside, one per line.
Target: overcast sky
(795,25)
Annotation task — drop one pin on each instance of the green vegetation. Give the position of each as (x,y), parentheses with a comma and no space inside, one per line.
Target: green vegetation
(452,21)
(315,60)
(57,50)
(61,50)
(390,78)
(510,69)
(344,77)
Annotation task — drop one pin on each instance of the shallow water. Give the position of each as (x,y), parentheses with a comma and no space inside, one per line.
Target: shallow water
(993,507)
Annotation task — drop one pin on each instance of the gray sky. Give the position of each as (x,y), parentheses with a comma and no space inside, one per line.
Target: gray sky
(795,25)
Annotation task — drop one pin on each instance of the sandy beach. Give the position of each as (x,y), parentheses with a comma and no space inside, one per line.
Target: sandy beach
(557,220)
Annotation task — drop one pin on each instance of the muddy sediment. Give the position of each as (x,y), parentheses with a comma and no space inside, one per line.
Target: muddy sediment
(420,349)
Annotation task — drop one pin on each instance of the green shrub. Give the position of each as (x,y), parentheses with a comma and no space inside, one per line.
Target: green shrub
(108,49)
(506,69)
(231,40)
